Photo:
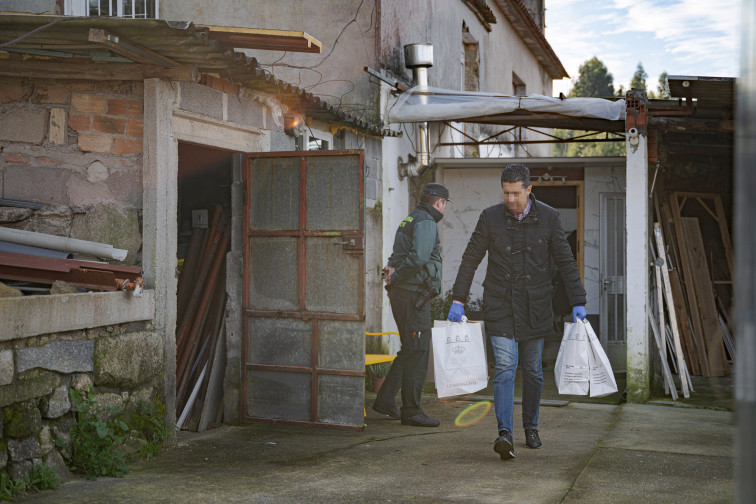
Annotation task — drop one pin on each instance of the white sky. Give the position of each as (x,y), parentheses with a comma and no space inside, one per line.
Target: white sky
(683,37)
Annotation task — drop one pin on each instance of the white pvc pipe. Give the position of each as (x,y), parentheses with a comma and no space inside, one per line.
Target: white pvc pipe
(61,243)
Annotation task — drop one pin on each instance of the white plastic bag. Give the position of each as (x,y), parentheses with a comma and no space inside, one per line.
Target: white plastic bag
(582,366)
(571,370)
(459,358)
(602,377)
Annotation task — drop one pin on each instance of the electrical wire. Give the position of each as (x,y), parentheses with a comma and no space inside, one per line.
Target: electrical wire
(38,29)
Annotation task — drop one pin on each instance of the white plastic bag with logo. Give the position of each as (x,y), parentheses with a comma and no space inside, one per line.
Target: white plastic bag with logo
(459,358)
(602,377)
(572,370)
(582,367)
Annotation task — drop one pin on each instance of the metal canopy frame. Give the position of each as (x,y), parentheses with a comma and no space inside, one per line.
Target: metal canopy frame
(586,137)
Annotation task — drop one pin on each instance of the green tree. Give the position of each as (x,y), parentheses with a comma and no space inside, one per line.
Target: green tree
(663,89)
(594,80)
(639,78)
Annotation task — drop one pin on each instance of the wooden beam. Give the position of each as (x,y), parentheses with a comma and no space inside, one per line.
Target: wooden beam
(682,369)
(687,282)
(97,71)
(712,332)
(124,47)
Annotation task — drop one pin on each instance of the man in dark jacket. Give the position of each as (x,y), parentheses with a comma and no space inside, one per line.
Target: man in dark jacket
(413,270)
(521,236)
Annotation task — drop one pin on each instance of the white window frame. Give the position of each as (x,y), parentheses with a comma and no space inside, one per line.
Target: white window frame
(81,8)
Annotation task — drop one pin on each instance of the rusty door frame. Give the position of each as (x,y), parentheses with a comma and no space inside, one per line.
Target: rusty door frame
(358,237)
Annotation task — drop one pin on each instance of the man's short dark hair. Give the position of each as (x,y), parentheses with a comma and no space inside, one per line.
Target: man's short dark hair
(429,199)
(516,172)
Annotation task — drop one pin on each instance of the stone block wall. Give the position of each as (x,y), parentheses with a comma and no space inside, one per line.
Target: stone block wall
(76,148)
(122,362)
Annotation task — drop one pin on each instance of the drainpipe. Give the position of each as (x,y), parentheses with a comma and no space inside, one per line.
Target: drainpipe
(418,58)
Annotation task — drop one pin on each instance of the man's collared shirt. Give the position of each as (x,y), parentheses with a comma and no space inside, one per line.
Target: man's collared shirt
(525,212)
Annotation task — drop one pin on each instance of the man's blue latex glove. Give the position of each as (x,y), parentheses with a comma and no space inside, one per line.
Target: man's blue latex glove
(457,311)
(578,312)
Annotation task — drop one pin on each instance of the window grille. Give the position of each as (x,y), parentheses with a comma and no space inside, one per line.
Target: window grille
(135,9)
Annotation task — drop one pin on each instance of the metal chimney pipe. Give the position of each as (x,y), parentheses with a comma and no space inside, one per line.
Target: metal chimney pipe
(419,58)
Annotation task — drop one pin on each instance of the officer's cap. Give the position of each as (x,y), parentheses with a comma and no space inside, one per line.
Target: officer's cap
(436,189)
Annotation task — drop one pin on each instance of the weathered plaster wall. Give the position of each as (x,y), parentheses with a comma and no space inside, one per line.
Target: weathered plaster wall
(474,189)
(340,77)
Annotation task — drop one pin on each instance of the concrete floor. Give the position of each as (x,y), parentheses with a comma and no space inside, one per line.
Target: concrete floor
(593,453)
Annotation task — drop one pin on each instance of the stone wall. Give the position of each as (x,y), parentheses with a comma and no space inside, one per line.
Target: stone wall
(76,148)
(123,363)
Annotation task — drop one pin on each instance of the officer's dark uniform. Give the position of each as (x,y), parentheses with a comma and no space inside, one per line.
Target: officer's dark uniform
(416,257)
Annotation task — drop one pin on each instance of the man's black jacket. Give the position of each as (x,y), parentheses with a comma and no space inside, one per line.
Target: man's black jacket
(517,290)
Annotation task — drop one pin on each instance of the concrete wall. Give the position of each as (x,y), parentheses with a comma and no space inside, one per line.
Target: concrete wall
(48,7)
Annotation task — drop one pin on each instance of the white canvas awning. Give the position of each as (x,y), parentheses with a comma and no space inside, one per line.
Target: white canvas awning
(421,104)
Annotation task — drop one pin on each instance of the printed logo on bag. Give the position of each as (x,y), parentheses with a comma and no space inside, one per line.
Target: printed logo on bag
(459,349)
(458,339)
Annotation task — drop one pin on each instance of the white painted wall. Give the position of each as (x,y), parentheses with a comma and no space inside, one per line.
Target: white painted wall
(597,181)
(471,190)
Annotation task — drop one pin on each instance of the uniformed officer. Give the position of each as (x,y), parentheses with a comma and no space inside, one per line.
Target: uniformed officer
(413,269)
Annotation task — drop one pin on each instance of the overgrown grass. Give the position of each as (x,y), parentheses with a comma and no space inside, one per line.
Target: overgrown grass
(149,420)
(96,437)
(42,477)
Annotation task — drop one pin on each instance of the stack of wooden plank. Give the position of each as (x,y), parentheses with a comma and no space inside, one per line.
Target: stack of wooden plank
(694,250)
(200,338)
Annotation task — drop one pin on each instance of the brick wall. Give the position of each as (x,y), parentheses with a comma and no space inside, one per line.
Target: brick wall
(76,148)
(51,126)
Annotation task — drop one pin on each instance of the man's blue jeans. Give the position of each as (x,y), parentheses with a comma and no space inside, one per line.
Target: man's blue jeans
(506,352)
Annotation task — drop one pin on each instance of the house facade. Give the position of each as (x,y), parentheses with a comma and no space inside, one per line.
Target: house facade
(267,111)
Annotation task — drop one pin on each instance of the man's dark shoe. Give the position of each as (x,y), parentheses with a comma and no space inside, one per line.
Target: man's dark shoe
(420,420)
(503,445)
(531,439)
(387,409)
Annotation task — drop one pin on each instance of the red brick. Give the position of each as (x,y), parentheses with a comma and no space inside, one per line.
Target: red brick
(95,142)
(10,93)
(135,128)
(79,122)
(15,158)
(114,87)
(106,124)
(51,95)
(127,146)
(125,107)
(48,160)
(88,103)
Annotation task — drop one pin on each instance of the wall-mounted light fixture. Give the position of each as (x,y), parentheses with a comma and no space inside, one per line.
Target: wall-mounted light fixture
(291,123)
(546,177)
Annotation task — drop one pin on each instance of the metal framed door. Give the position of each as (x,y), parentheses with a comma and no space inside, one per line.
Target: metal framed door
(304,288)
(612,279)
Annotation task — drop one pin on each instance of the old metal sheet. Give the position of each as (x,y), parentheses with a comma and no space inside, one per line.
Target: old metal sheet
(333,193)
(336,402)
(273,277)
(279,395)
(339,348)
(332,276)
(287,342)
(274,193)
